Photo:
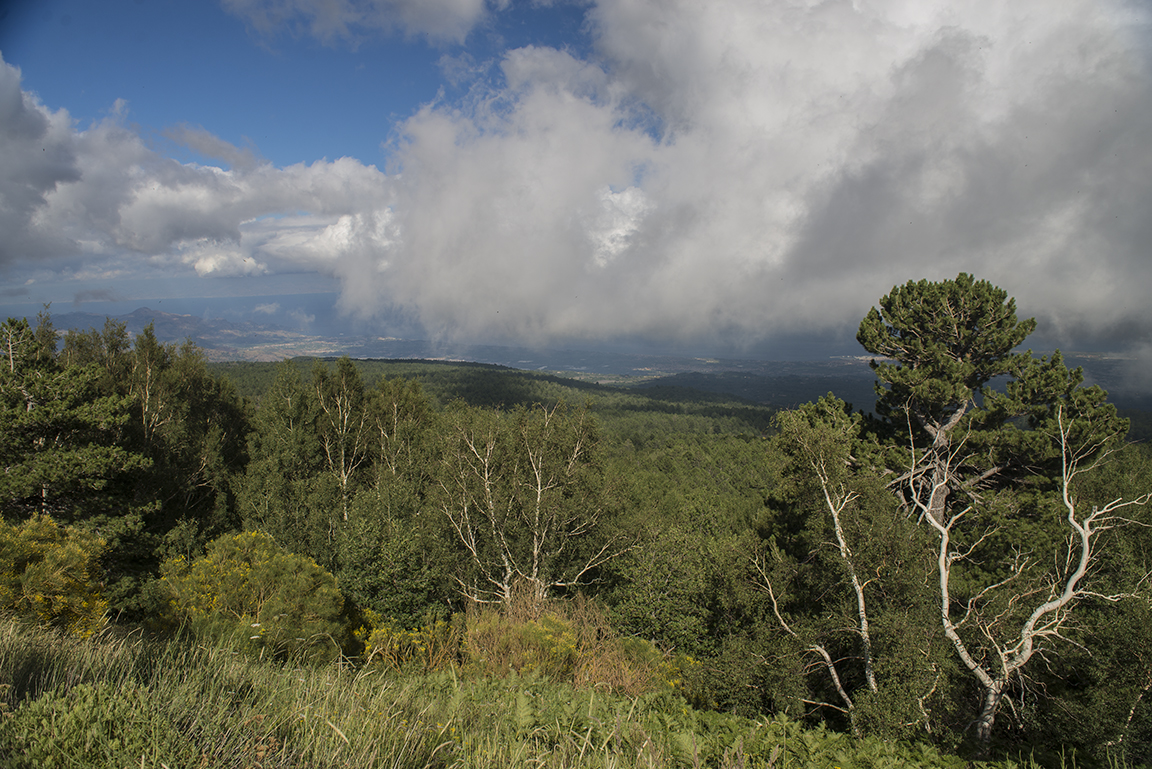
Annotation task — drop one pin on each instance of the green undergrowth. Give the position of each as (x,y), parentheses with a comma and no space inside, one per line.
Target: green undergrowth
(123,700)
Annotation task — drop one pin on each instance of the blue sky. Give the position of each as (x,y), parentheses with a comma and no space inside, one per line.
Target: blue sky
(291,96)
(684,174)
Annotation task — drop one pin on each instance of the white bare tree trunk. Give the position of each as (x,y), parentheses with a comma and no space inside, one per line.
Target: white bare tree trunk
(1012,647)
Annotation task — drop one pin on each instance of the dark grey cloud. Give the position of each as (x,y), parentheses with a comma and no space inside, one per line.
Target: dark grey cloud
(735,171)
(199,140)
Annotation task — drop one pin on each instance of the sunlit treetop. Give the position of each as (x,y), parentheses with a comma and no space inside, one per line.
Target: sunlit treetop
(944,342)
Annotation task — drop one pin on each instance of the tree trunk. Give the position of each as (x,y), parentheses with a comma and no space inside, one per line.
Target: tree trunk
(938,496)
(992,696)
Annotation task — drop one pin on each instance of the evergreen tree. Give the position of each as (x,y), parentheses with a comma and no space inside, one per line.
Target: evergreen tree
(108,349)
(61,439)
(194,427)
(285,491)
(395,557)
(190,430)
(995,475)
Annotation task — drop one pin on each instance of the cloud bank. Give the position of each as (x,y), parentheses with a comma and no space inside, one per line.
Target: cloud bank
(722,172)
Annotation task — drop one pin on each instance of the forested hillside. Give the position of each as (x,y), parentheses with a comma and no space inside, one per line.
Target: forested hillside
(621,411)
(965,568)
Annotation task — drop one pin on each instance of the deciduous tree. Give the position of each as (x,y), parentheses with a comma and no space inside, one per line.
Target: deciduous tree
(522,493)
(343,425)
(845,584)
(396,554)
(285,491)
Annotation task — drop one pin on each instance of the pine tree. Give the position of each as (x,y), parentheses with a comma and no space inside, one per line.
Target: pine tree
(994,473)
(61,438)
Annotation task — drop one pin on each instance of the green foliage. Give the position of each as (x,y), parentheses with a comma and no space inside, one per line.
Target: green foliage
(394,552)
(1094,698)
(433,646)
(998,477)
(667,590)
(249,589)
(107,349)
(179,434)
(661,499)
(688,501)
(399,566)
(195,429)
(714,484)
(61,438)
(343,426)
(626,414)
(404,426)
(283,491)
(544,645)
(51,573)
(566,641)
(235,711)
(944,344)
(946,341)
(842,553)
(189,422)
(93,725)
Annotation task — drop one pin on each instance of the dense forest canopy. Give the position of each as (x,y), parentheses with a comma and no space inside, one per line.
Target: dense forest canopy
(966,566)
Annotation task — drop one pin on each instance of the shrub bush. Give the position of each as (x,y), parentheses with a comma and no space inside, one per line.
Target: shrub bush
(494,645)
(434,645)
(51,573)
(566,641)
(249,590)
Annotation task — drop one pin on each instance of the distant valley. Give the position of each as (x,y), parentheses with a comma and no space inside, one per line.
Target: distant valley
(781,384)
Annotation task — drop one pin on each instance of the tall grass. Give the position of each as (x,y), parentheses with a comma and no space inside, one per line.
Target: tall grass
(227,708)
(121,700)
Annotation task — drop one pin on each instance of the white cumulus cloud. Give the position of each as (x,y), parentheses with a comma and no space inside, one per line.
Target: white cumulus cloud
(782,165)
(99,199)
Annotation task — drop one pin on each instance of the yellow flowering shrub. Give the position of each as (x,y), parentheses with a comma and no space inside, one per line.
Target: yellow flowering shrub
(51,573)
(562,640)
(433,646)
(249,589)
(546,645)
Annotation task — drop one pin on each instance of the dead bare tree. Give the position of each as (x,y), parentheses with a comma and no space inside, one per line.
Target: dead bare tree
(520,493)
